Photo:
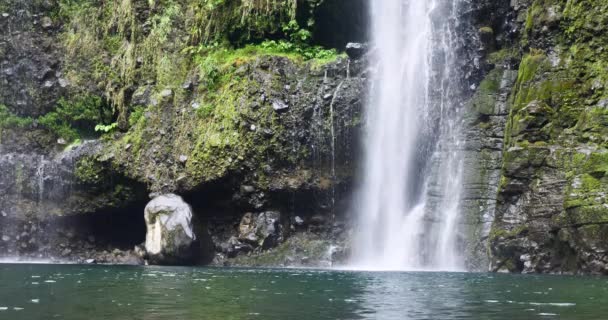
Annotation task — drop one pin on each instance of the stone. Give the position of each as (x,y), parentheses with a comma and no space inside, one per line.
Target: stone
(355,50)
(141,95)
(247,228)
(47,23)
(279,106)
(247,189)
(63,82)
(6,238)
(183,158)
(298,221)
(166,93)
(170,237)
(264,229)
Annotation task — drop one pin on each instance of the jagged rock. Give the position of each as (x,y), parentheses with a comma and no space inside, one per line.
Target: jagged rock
(279,106)
(141,96)
(263,229)
(170,237)
(355,50)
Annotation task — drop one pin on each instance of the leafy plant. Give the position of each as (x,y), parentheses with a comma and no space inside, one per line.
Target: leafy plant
(136,114)
(76,117)
(307,52)
(9,120)
(106,128)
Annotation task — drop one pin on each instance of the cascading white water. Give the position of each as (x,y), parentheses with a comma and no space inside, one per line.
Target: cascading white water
(408,202)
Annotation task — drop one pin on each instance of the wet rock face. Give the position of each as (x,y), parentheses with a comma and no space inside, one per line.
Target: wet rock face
(72,182)
(31,79)
(170,237)
(284,116)
(551,209)
(104,238)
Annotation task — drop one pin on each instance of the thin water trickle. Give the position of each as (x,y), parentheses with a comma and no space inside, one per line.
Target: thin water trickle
(40,178)
(348,69)
(333,144)
(408,206)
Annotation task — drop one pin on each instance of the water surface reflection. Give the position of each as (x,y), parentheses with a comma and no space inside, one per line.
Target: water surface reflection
(111,292)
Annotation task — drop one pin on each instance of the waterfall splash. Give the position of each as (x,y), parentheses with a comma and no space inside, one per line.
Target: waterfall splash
(408,201)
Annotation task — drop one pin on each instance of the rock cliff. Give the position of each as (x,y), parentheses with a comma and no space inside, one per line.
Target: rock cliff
(252,113)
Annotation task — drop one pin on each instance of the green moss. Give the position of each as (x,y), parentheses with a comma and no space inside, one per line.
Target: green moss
(484,101)
(89,171)
(486,29)
(531,65)
(557,117)
(159,48)
(589,214)
(221,142)
(580,24)
(597,164)
(498,232)
(534,13)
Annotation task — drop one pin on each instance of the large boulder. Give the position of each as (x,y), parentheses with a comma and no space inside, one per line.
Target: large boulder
(170,237)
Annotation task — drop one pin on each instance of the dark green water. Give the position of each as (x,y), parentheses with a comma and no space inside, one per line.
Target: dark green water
(114,292)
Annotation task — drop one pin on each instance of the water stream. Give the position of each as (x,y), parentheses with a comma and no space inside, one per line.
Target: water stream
(408,202)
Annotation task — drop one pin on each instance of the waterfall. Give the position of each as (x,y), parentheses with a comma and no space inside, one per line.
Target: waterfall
(407,206)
